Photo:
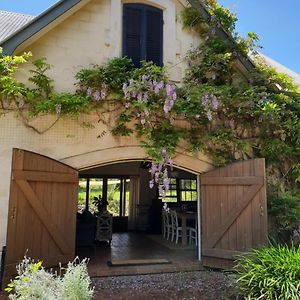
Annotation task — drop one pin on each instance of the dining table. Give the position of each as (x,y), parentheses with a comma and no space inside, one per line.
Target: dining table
(184,216)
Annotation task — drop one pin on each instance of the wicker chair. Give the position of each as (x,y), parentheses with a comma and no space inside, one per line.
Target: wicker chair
(104,227)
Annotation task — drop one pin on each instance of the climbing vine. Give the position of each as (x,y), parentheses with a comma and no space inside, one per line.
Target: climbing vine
(216,111)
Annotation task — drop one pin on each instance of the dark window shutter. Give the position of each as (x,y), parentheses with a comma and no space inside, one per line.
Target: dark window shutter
(132,33)
(154,36)
(143,33)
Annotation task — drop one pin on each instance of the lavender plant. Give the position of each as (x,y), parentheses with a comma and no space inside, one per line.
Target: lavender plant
(34,282)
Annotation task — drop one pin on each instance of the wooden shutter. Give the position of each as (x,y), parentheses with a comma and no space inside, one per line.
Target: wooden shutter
(143,33)
(154,36)
(234,211)
(132,33)
(42,211)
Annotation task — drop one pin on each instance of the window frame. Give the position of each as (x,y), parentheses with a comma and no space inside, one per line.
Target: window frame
(179,190)
(105,178)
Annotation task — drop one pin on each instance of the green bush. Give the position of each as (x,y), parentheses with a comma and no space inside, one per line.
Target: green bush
(271,273)
(284,214)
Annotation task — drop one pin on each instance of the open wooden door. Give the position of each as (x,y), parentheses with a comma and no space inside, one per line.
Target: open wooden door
(42,211)
(234,211)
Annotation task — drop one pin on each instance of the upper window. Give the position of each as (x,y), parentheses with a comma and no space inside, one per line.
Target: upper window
(143,33)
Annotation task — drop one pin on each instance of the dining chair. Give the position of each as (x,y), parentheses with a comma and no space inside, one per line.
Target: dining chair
(193,234)
(166,224)
(176,229)
(104,227)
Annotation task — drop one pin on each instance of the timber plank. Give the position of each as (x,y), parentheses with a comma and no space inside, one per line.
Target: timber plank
(43,215)
(252,191)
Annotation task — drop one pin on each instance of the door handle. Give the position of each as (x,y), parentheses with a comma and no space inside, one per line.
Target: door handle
(13,213)
(261,211)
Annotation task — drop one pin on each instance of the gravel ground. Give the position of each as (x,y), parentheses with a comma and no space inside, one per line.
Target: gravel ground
(203,285)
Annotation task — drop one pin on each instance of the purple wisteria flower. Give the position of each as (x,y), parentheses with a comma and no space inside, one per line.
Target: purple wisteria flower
(151,184)
(160,174)
(209,115)
(140,97)
(214,102)
(210,102)
(89,91)
(171,97)
(97,95)
(205,100)
(103,93)
(21,103)
(58,109)
(146,97)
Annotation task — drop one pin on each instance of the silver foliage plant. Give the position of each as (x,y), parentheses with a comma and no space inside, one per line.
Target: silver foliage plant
(34,282)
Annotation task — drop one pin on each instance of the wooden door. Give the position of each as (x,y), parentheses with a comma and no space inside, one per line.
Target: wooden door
(42,211)
(234,211)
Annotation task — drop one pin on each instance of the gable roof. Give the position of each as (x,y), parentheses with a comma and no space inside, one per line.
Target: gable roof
(16,28)
(10,22)
(11,43)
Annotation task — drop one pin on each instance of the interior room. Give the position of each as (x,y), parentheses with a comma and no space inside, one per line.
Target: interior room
(122,219)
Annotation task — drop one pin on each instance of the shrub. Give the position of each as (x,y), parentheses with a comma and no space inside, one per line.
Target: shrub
(34,282)
(270,273)
(284,213)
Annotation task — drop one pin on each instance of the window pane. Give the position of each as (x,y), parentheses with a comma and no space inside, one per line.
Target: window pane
(194,196)
(96,191)
(194,185)
(169,199)
(127,197)
(113,196)
(173,181)
(185,184)
(82,195)
(188,195)
(182,196)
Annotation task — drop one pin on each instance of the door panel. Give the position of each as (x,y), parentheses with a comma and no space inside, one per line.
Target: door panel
(234,211)
(42,211)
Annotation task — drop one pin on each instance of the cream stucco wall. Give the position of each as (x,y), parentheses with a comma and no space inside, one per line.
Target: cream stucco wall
(90,35)
(93,34)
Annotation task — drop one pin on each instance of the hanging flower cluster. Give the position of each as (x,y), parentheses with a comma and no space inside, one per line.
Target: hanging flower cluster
(143,90)
(171,97)
(97,94)
(160,175)
(210,103)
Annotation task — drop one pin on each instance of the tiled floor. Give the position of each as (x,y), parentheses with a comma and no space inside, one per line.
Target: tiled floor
(137,246)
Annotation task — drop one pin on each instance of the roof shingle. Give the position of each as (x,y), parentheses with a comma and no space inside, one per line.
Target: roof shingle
(10,22)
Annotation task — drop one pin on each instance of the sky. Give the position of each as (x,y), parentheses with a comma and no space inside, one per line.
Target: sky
(276,22)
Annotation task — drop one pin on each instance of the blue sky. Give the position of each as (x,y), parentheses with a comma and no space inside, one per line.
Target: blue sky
(276,22)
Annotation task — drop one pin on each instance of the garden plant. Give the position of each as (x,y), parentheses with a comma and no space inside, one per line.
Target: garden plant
(34,282)
(271,273)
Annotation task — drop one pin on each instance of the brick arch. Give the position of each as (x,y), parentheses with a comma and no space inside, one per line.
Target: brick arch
(195,164)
